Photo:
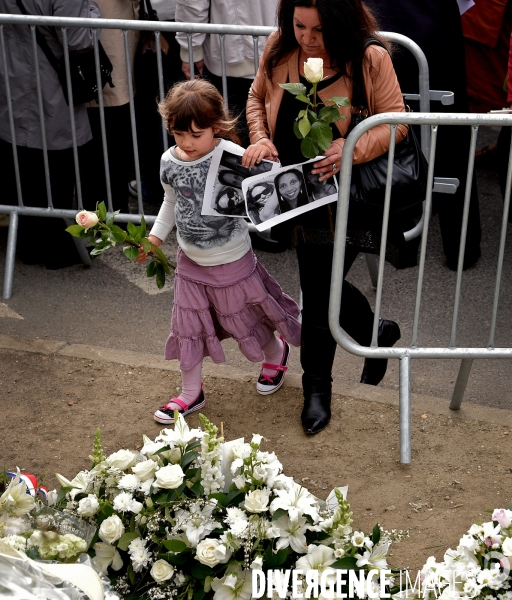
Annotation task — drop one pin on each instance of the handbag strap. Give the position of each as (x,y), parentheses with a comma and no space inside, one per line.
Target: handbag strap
(43,44)
(147,12)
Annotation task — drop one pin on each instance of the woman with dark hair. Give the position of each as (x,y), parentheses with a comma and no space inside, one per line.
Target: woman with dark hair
(229,201)
(291,190)
(262,203)
(336,31)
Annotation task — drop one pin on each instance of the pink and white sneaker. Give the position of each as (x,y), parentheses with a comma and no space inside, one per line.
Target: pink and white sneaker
(165,414)
(268,384)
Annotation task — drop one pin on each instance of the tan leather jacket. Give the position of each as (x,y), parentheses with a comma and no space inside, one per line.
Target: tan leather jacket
(382,92)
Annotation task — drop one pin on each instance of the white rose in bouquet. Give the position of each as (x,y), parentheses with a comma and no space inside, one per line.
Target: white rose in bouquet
(314,70)
(88,507)
(111,529)
(161,571)
(506,547)
(205,552)
(122,459)
(145,470)
(169,477)
(257,501)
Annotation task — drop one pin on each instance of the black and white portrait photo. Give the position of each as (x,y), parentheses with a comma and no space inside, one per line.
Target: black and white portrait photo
(317,190)
(282,194)
(223,193)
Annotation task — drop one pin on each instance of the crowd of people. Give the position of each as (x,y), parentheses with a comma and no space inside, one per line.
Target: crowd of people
(221,290)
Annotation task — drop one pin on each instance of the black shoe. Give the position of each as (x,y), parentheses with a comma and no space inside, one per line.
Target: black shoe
(316,413)
(375,368)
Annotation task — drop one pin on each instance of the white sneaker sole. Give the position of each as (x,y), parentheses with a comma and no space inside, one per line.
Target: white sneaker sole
(161,417)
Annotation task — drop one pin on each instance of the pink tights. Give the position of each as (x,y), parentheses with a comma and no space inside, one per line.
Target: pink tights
(191,379)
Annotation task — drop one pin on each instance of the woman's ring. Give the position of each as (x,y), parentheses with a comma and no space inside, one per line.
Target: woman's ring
(334,166)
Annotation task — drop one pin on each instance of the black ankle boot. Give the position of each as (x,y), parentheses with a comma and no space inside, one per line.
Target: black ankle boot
(375,368)
(316,413)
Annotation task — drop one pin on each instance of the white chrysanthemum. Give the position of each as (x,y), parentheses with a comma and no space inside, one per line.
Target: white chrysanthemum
(13,525)
(139,556)
(129,482)
(237,521)
(124,502)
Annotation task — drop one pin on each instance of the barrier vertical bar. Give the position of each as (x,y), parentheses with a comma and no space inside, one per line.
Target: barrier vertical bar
(11,253)
(222,39)
(102,120)
(72,118)
(423,251)
(463,233)
(461,383)
(191,56)
(501,253)
(161,88)
(11,119)
(256,53)
(132,121)
(405,409)
(41,117)
(384,236)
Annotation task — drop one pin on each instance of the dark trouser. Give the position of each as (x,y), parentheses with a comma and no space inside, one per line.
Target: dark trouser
(41,239)
(238,91)
(318,347)
(120,158)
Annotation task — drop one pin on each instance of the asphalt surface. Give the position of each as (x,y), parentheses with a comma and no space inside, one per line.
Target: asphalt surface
(113,305)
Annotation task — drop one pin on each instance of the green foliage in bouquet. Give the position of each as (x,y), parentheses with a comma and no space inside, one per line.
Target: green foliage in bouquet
(102,233)
(312,123)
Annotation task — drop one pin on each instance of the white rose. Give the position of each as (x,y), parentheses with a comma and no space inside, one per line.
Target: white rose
(111,529)
(256,501)
(169,477)
(314,70)
(205,552)
(144,470)
(122,459)
(88,507)
(161,571)
(506,548)
(86,219)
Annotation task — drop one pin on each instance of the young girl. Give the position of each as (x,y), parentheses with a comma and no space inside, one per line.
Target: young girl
(220,288)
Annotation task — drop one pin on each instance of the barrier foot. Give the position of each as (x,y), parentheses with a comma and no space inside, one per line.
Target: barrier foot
(373,268)
(405,409)
(461,383)
(11,255)
(80,247)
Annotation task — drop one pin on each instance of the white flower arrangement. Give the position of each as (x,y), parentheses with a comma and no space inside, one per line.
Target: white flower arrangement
(190,516)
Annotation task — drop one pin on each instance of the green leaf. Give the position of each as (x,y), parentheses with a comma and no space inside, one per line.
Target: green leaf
(188,458)
(130,252)
(220,497)
(296,130)
(100,248)
(340,101)
(118,233)
(131,574)
(142,226)
(312,116)
(200,571)
(274,561)
(75,230)
(175,545)
(151,269)
(303,98)
(160,276)
(329,114)
(132,229)
(102,211)
(193,445)
(199,595)
(304,126)
(175,559)
(125,539)
(348,562)
(146,245)
(376,535)
(294,88)
(308,148)
(197,489)
(234,498)
(321,134)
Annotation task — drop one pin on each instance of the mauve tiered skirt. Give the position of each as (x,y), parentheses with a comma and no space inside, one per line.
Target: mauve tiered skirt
(239,300)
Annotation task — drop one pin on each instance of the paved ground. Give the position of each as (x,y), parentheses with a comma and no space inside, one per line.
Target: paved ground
(114,306)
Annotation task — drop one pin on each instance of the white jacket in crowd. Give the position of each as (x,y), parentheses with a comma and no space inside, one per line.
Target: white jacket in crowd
(239,49)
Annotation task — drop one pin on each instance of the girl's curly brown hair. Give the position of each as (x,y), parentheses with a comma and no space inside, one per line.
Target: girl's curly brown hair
(199,102)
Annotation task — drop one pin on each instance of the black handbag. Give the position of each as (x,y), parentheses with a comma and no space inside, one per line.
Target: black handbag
(410,167)
(82,68)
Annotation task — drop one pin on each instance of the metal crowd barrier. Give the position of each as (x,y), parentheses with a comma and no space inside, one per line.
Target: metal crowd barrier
(408,352)
(424,97)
